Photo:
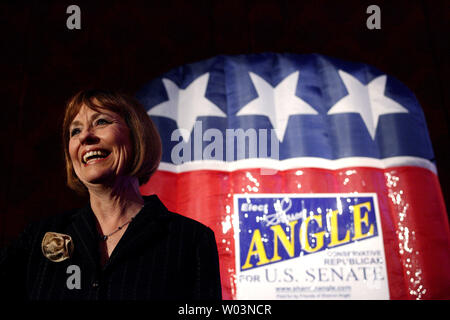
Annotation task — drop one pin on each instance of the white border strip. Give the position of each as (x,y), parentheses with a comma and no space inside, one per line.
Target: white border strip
(303,162)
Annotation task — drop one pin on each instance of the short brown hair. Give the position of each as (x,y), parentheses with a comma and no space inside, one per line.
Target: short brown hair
(144,136)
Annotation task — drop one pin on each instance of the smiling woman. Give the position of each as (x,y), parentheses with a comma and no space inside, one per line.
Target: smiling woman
(115,114)
(124,245)
(99,146)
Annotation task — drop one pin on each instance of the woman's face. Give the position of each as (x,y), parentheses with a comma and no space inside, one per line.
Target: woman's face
(99,146)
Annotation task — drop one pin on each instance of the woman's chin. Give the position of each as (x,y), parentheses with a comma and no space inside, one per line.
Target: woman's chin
(100,179)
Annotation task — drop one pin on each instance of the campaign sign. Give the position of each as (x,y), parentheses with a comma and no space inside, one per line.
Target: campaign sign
(309,246)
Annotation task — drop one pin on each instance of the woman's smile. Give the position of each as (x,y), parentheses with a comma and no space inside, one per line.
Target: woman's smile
(94,156)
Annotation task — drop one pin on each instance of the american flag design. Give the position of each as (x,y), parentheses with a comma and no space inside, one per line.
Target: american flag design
(316,175)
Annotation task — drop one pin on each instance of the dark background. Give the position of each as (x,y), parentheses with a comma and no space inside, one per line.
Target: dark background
(124,44)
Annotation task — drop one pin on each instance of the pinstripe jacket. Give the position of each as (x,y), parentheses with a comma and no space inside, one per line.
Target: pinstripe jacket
(162,255)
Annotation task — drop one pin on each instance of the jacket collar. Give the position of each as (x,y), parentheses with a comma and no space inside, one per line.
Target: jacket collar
(148,225)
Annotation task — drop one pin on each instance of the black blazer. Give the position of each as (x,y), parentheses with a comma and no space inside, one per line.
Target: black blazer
(162,255)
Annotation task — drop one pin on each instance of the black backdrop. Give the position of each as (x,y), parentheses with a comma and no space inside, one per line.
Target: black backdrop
(124,44)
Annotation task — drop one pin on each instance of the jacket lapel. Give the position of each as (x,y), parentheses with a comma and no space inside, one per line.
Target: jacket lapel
(150,224)
(85,234)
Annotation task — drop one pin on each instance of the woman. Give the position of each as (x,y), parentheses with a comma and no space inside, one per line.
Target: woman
(121,245)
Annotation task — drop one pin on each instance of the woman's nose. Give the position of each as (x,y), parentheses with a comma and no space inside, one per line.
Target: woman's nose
(88,136)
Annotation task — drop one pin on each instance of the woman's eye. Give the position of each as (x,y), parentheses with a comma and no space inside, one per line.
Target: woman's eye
(74,131)
(101,121)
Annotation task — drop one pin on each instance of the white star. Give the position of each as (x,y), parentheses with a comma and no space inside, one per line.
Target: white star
(185,105)
(367,100)
(277,103)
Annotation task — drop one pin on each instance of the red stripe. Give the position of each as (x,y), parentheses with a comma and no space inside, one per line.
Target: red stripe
(413,215)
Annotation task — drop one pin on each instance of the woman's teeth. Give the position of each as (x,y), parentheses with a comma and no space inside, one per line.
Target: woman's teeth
(92,155)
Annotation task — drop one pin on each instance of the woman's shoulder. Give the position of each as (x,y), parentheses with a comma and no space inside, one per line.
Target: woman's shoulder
(57,222)
(188,228)
(186,221)
(176,220)
(58,219)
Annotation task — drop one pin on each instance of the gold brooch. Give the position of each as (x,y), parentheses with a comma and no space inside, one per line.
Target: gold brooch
(57,247)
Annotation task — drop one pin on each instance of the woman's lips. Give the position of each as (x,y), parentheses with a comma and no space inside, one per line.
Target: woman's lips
(95,160)
(95,156)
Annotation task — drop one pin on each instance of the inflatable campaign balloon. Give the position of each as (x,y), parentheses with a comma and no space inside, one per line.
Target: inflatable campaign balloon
(315,174)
